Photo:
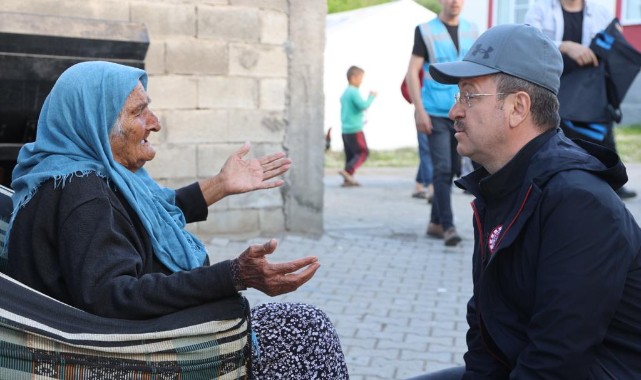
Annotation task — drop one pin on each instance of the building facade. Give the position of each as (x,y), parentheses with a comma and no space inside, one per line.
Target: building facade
(222,72)
(627,11)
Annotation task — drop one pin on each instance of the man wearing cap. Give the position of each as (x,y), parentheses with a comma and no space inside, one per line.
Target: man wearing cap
(557,256)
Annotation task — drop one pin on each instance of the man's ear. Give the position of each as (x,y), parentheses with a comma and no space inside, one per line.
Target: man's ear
(520,108)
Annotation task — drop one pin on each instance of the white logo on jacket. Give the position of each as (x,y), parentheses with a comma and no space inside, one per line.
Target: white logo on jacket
(494,236)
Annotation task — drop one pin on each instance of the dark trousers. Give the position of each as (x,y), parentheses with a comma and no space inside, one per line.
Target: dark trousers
(424,173)
(445,163)
(455,373)
(356,150)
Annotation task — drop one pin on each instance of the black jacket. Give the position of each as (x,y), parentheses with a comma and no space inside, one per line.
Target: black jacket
(557,267)
(84,245)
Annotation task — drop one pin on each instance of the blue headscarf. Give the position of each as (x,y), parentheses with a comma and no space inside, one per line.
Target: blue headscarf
(73,140)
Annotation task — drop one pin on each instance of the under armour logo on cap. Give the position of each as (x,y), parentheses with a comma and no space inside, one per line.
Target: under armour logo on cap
(519,50)
(478,48)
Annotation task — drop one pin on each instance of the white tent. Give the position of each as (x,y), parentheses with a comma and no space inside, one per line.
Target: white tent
(378,39)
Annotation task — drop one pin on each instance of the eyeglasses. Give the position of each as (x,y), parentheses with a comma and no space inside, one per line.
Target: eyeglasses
(468,97)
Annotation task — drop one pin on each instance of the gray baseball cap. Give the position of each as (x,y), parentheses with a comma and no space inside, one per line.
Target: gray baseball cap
(519,50)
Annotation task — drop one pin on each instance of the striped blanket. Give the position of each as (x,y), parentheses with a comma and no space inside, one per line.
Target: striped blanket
(42,338)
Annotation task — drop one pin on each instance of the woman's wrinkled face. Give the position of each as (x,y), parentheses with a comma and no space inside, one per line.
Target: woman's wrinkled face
(130,145)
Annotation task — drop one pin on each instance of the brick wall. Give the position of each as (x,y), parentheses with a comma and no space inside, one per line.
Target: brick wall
(222,72)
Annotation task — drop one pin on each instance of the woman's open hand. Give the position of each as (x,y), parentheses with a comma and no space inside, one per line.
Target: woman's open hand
(274,278)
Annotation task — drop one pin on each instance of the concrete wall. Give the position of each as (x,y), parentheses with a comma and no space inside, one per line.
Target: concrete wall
(222,72)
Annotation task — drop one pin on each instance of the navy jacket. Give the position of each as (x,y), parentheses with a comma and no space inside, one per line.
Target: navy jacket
(557,267)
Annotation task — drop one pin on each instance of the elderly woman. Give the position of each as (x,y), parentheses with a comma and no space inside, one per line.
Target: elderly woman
(92,229)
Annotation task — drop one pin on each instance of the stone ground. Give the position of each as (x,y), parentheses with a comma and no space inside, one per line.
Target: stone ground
(396,297)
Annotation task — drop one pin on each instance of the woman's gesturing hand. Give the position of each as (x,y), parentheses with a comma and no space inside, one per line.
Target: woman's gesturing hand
(274,278)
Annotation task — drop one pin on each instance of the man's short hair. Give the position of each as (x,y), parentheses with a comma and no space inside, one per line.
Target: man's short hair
(354,70)
(544,106)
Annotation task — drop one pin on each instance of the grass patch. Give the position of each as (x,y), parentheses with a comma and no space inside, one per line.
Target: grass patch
(334,6)
(402,157)
(628,139)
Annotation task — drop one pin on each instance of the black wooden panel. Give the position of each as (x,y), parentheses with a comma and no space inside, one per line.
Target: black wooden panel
(35,50)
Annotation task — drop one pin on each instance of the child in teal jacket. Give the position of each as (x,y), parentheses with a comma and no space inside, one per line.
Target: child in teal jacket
(352,107)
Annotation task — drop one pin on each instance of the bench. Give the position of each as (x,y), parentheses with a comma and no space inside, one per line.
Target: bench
(43,338)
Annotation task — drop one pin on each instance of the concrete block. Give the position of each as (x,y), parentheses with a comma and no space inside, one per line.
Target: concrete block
(176,183)
(214,2)
(272,220)
(165,19)
(256,199)
(274,27)
(190,55)
(25,7)
(211,157)
(227,92)
(174,161)
(259,126)
(215,254)
(239,24)
(196,126)
(109,10)
(273,94)
(257,61)
(230,222)
(279,5)
(173,92)
(263,149)
(160,137)
(155,59)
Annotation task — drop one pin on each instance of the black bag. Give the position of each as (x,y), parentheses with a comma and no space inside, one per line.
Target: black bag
(622,61)
(583,95)
(594,94)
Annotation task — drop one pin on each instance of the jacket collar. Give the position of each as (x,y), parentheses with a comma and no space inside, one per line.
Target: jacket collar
(529,171)
(542,158)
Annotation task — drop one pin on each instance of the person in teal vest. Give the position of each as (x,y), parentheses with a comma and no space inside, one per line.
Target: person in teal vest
(352,109)
(446,38)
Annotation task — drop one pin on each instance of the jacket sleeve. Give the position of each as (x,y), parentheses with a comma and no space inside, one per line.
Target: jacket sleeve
(581,270)
(192,203)
(538,14)
(360,103)
(534,16)
(107,273)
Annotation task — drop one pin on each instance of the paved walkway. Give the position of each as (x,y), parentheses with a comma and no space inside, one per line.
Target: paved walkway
(397,298)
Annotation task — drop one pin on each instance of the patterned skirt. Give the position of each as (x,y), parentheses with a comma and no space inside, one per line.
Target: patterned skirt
(295,342)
